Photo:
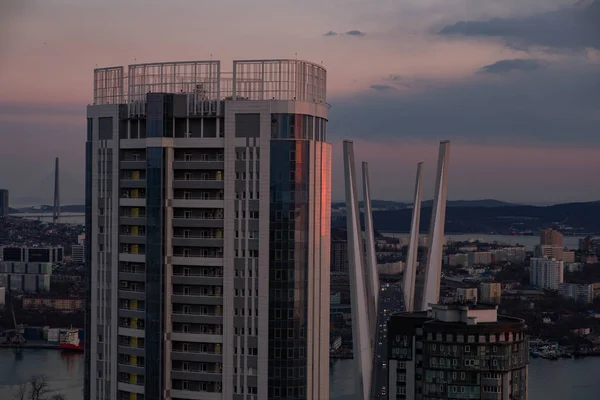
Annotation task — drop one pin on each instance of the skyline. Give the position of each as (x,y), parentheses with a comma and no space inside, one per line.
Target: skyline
(518,104)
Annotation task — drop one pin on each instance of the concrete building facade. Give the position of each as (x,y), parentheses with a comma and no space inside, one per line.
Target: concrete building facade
(490,292)
(466,295)
(551,237)
(578,292)
(546,273)
(78,253)
(457,352)
(208,231)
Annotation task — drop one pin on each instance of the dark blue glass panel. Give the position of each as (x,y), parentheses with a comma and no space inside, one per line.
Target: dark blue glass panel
(288,267)
(154,272)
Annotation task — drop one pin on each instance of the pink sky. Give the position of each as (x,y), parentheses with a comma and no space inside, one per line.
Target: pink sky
(48,50)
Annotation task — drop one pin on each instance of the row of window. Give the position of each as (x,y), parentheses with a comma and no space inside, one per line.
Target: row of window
(243,252)
(251,175)
(467,348)
(251,214)
(249,390)
(252,351)
(241,312)
(251,195)
(244,292)
(490,338)
(241,155)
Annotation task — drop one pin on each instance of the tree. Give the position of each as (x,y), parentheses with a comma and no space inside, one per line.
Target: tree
(36,387)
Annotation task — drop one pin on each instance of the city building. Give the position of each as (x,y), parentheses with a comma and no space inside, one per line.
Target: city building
(28,269)
(48,254)
(568,256)
(582,293)
(457,352)
(4,203)
(549,251)
(52,302)
(339,251)
(466,295)
(546,273)
(390,268)
(78,253)
(551,237)
(2,296)
(217,286)
(479,258)
(460,259)
(514,254)
(490,292)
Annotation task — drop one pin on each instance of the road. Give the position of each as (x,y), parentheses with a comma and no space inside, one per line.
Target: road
(391,300)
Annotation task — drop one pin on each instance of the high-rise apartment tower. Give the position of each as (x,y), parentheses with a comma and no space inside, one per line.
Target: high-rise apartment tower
(208,232)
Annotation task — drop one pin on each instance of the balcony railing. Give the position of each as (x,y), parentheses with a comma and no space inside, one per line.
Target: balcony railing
(197,217)
(194,160)
(128,289)
(212,179)
(130,346)
(213,352)
(206,332)
(192,255)
(214,294)
(198,197)
(208,314)
(198,237)
(132,308)
(214,370)
(139,253)
(200,275)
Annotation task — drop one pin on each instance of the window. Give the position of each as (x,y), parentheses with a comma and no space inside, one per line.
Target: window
(187,156)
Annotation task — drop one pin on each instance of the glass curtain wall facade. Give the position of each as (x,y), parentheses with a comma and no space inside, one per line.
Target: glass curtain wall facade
(289,257)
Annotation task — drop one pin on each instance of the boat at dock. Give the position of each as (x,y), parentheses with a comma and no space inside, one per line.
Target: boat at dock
(69,340)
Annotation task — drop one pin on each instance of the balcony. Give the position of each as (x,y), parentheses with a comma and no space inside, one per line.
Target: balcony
(212,164)
(198,183)
(197,318)
(130,163)
(197,279)
(213,297)
(197,260)
(198,241)
(133,183)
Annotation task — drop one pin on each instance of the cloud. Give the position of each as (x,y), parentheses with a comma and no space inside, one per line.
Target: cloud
(382,88)
(576,28)
(556,106)
(517,64)
(330,33)
(355,33)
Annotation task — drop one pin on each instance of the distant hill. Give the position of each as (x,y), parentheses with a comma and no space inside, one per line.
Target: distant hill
(397,205)
(582,217)
(471,203)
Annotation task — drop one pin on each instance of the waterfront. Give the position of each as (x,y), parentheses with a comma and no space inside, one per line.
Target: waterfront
(548,380)
(571,242)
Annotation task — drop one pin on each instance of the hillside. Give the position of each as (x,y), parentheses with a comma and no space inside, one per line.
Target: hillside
(582,217)
(397,205)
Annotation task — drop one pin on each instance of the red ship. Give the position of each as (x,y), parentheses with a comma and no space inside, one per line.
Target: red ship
(69,340)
